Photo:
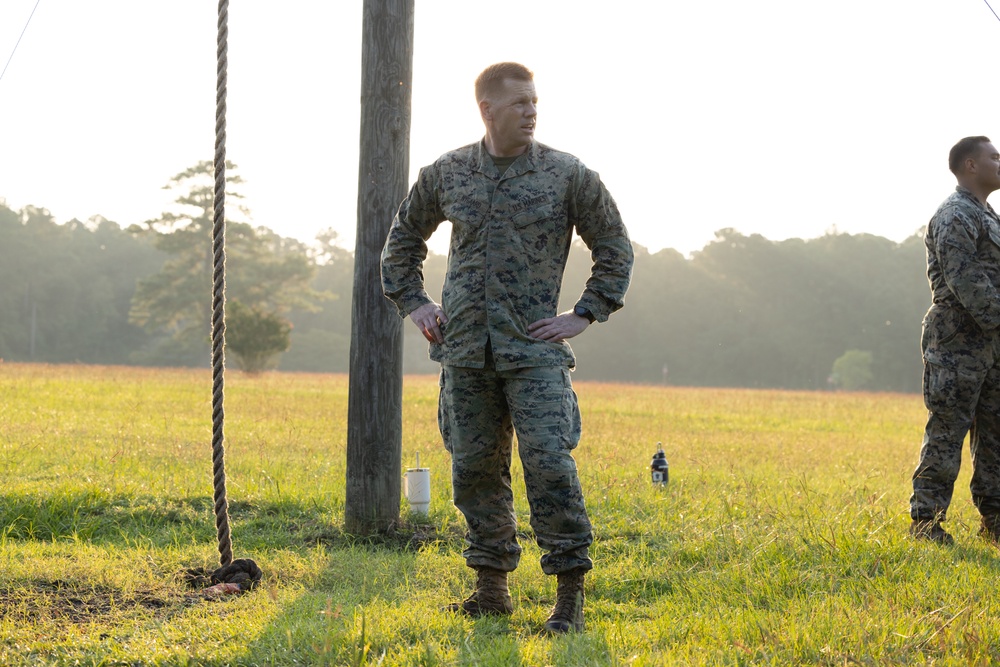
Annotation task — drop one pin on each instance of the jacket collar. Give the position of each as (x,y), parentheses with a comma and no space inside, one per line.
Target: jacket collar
(965,192)
(523,164)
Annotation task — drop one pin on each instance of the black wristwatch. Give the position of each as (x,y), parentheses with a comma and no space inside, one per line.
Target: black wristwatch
(583,312)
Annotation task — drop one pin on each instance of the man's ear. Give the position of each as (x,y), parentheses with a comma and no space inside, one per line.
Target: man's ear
(970,165)
(484,110)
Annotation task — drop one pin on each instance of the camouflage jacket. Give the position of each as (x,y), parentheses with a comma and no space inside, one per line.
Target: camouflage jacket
(963,258)
(510,239)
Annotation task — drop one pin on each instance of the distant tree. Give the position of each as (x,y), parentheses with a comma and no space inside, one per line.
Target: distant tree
(65,288)
(852,370)
(743,311)
(255,337)
(263,270)
(321,339)
(746,311)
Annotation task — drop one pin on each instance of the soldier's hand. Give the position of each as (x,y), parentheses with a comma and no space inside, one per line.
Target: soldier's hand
(429,318)
(558,328)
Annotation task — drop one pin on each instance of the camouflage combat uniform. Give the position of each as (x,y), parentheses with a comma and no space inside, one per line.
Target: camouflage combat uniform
(961,350)
(510,239)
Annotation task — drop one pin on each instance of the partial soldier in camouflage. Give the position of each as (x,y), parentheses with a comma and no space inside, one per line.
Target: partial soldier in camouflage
(514,205)
(961,347)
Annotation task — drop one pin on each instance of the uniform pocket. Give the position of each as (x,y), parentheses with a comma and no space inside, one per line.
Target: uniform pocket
(951,393)
(943,329)
(532,217)
(544,409)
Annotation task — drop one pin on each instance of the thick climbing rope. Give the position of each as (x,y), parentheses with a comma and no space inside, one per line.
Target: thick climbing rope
(219,294)
(239,575)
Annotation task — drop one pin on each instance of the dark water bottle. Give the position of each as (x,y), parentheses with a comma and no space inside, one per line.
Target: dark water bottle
(659,468)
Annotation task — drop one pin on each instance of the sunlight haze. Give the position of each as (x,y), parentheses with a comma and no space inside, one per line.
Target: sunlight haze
(782,118)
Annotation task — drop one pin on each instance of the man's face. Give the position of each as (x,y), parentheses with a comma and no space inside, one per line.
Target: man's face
(510,116)
(988,167)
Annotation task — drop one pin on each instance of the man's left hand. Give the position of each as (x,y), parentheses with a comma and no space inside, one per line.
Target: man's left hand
(558,328)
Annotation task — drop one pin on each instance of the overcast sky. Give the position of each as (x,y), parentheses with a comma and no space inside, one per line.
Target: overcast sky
(779,117)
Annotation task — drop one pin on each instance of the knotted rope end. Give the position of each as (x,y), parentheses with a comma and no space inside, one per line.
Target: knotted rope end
(240,576)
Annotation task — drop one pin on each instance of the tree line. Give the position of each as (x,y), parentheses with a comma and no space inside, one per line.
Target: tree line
(839,311)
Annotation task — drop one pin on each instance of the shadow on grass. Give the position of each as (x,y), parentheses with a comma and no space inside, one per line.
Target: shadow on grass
(360,604)
(358,573)
(106,519)
(353,615)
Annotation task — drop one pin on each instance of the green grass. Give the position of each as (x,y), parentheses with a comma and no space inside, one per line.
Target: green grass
(781,538)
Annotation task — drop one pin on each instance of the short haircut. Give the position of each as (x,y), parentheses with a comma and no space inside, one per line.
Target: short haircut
(963,150)
(493,77)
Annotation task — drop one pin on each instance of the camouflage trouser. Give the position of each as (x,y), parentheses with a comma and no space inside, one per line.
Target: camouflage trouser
(962,395)
(478,412)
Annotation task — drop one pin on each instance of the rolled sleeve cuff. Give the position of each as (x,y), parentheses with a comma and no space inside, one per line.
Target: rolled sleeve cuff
(410,302)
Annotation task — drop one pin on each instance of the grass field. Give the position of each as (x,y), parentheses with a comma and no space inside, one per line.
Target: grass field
(781,538)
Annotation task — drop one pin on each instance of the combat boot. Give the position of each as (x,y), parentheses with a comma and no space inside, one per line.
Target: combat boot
(491,596)
(989,527)
(568,613)
(931,530)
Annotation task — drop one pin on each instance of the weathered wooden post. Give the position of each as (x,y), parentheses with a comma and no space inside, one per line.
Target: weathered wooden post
(374,415)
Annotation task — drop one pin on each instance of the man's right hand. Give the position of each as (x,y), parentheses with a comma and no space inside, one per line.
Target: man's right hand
(429,318)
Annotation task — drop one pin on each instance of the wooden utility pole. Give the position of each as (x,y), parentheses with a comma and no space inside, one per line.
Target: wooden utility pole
(374,414)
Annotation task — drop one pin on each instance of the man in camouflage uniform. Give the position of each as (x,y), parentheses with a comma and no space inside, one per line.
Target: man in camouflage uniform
(505,363)
(961,347)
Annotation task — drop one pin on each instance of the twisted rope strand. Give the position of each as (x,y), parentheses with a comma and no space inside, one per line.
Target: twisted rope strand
(219,296)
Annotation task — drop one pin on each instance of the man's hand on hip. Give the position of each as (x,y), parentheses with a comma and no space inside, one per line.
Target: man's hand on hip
(429,318)
(558,328)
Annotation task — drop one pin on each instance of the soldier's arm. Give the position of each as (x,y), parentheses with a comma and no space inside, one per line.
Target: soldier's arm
(956,245)
(406,245)
(600,225)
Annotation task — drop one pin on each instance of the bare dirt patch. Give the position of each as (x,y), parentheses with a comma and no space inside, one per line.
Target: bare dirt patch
(58,600)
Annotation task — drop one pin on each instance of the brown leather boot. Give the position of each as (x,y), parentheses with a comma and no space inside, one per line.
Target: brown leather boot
(930,530)
(491,596)
(568,613)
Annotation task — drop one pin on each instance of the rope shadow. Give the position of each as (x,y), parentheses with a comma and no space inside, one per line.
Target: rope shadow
(102,518)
